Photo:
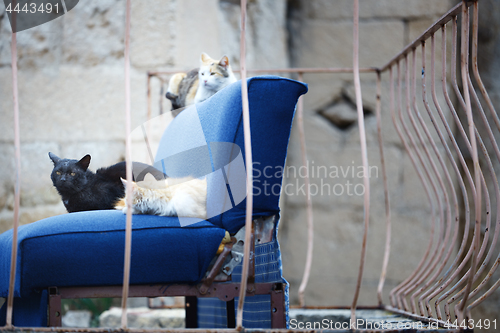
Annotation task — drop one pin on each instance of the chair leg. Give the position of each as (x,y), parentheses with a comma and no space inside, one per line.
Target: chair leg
(55,313)
(191,307)
(231,317)
(278,315)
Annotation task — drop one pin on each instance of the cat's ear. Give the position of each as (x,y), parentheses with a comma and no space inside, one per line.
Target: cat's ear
(54,158)
(204,57)
(84,162)
(149,177)
(124,182)
(224,62)
(133,184)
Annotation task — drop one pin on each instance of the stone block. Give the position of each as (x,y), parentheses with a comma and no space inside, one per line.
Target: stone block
(196,32)
(5,34)
(336,177)
(332,43)
(153,34)
(144,318)
(7,166)
(91,108)
(36,167)
(94,33)
(77,318)
(103,154)
(266,33)
(40,46)
(343,9)
(339,229)
(324,89)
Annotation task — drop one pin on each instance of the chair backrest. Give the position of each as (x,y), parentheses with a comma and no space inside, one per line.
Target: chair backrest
(206,139)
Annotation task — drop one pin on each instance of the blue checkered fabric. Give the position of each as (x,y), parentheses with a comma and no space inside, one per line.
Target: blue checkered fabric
(257,309)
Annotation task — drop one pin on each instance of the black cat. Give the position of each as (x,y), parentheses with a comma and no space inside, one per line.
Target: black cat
(82,189)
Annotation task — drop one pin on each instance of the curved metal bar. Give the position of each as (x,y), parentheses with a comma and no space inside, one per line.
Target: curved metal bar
(310,226)
(364,155)
(459,310)
(387,249)
(441,188)
(435,27)
(450,218)
(497,122)
(248,165)
(469,177)
(495,183)
(399,289)
(439,286)
(482,267)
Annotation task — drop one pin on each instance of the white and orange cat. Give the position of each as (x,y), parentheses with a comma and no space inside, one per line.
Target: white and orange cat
(199,84)
(185,197)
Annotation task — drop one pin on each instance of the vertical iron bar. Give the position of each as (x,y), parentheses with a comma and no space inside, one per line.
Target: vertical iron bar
(496,149)
(495,182)
(128,227)
(387,250)
(439,286)
(395,293)
(248,164)
(310,229)
(417,273)
(364,156)
(231,320)
(17,186)
(191,309)
(459,309)
(422,276)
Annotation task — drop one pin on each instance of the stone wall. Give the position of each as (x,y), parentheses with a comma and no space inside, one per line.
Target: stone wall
(71,88)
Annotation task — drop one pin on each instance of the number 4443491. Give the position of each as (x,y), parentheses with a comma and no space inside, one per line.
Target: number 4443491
(33,8)
(479,324)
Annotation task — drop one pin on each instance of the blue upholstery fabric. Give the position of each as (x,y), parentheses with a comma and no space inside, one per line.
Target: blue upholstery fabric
(87,248)
(218,120)
(28,311)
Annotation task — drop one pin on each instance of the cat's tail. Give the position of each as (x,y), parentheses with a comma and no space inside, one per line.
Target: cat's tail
(118,170)
(121,204)
(174,84)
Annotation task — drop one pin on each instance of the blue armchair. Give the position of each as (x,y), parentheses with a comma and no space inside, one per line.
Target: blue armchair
(81,254)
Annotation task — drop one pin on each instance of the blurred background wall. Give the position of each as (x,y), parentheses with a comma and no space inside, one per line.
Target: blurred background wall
(71,92)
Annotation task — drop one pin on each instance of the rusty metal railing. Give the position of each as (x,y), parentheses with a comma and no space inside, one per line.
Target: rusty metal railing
(451,277)
(448,259)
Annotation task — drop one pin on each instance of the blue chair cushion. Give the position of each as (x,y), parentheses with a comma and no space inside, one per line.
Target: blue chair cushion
(208,137)
(87,249)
